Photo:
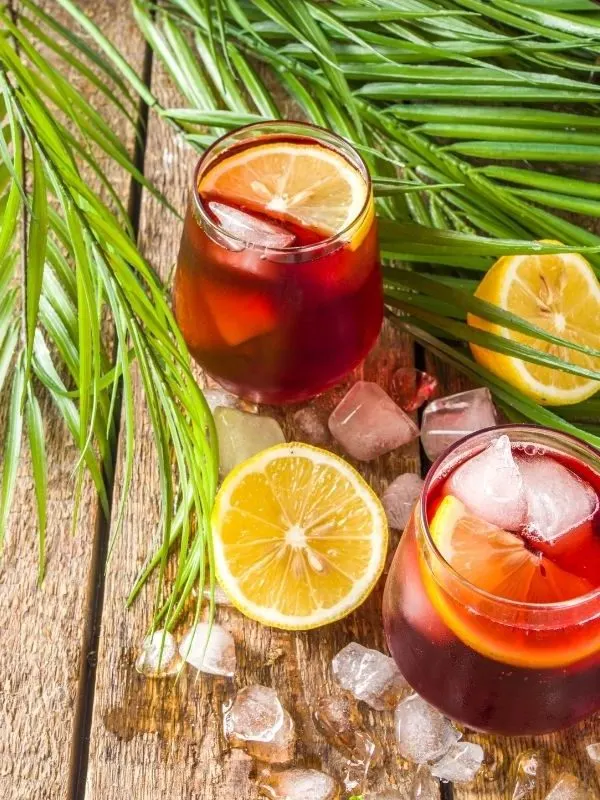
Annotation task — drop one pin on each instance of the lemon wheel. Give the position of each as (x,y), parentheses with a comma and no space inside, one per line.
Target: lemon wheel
(299,537)
(306,183)
(558,293)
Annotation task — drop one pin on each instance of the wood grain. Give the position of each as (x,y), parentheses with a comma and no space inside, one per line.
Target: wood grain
(165,736)
(44,630)
(564,752)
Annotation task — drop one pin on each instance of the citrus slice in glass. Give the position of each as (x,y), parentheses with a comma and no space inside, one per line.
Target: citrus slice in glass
(299,538)
(305,183)
(500,564)
(558,293)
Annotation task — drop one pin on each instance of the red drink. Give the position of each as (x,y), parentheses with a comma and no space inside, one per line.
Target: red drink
(501,629)
(278,288)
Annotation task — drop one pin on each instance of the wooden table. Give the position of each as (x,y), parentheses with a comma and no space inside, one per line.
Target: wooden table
(76,720)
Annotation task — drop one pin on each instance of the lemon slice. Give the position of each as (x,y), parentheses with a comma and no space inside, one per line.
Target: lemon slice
(559,293)
(299,538)
(499,563)
(309,184)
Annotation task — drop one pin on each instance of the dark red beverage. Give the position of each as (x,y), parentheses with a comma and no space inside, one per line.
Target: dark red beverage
(278,288)
(499,627)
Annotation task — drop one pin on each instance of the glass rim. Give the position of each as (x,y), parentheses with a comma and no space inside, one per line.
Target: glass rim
(434,471)
(308,127)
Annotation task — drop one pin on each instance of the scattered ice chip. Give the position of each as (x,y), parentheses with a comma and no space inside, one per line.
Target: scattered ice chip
(256,715)
(491,486)
(425,786)
(369,675)
(460,764)
(367,422)
(338,718)
(557,500)
(250,228)
(299,784)
(528,775)
(423,734)
(399,498)
(243,435)
(593,751)
(219,398)
(210,649)
(448,419)
(310,426)
(569,788)
(410,388)
(159,656)
(280,750)
(221,598)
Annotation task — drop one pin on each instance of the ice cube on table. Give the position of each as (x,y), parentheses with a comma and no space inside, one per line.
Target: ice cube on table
(280,750)
(256,715)
(569,787)
(338,719)
(448,419)
(400,497)
(410,388)
(424,786)
(593,752)
(158,656)
(243,435)
(299,784)
(491,486)
(251,229)
(557,500)
(220,598)
(369,675)
(460,764)
(310,426)
(367,422)
(219,398)
(210,649)
(422,733)
(529,775)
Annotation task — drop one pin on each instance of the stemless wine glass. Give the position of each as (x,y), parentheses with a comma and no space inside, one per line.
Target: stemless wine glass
(275,310)
(491,663)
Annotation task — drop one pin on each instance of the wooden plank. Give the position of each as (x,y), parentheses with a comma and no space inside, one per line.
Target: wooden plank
(566,750)
(45,631)
(166,736)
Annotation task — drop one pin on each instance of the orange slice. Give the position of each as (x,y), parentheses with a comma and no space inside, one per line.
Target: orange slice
(499,563)
(309,184)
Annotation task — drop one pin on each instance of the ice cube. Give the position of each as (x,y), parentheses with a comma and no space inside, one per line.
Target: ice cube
(209,648)
(367,422)
(243,435)
(251,229)
(338,718)
(569,788)
(399,498)
(299,784)
(158,656)
(219,398)
(593,751)
(369,675)
(425,786)
(221,599)
(491,486)
(448,419)
(423,734)
(310,426)
(280,750)
(557,500)
(529,774)
(256,715)
(410,388)
(460,764)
